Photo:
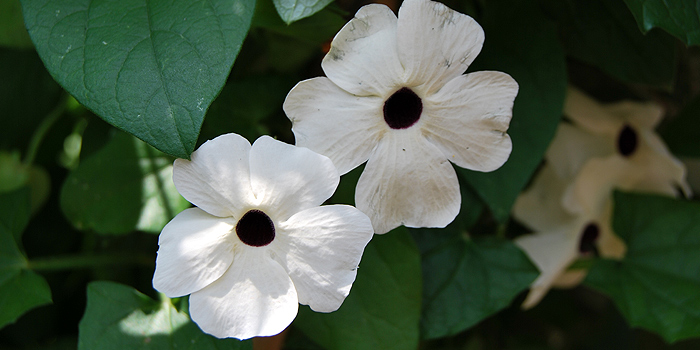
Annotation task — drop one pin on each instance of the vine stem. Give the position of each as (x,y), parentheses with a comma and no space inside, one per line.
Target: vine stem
(71,262)
(42,129)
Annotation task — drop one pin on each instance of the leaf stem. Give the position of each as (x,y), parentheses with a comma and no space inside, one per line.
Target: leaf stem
(41,130)
(71,262)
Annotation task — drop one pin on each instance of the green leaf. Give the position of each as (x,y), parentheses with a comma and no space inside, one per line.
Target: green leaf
(604,34)
(20,289)
(466,281)
(681,133)
(294,10)
(528,49)
(317,29)
(127,185)
(656,285)
(150,68)
(12,31)
(383,308)
(119,317)
(678,17)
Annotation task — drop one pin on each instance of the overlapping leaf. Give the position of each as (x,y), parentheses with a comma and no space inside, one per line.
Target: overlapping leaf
(294,10)
(656,285)
(125,186)
(20,289)
(679,17)
(603,33)
(383,308)
(523,43)
(119,317)
(466,281)
(150,68)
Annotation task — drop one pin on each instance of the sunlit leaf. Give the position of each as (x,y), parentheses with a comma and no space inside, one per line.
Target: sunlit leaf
(294,10)
(317,29)
(123,187)
(678,17)
(20,289)
(383,308)
(656,285)
(150,68)
(119,317)
(528,49)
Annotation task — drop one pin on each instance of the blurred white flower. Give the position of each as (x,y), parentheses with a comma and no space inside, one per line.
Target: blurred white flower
(569,204)
(258,244)
(395,97)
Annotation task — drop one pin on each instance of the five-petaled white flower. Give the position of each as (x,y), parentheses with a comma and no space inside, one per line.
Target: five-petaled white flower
(569,203)
(258,244)
(395,96)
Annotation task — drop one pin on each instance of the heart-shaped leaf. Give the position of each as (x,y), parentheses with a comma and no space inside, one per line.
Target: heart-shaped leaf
(150,68)
(656,285)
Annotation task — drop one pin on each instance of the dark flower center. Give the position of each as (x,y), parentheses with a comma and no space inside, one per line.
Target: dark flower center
(590,235)
(255,228)
(402,109)
(627,141)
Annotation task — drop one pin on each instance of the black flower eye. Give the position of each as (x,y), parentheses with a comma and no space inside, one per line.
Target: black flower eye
(627,141)
(588,239)
(255,228)
(402,109)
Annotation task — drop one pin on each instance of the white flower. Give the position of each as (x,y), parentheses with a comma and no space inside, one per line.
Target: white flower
(258,244)
(395,97)
(569,203)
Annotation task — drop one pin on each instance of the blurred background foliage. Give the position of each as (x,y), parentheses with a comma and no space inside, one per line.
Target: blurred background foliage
(81,202)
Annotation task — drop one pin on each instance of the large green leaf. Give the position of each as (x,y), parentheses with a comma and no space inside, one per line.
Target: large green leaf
(383,308)
(678,17)
(12,31)
(119,317)
(150,68)
(125,186)
(528,49)
(656,285)
(294,10)
(465,280)
(603,33)
(682,132)
(20,289)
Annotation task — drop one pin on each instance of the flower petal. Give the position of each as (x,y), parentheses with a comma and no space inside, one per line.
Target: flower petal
(332,122)
(363,59)
(436,43)
(664,173)
(552,252)
(323,247)
(408,181)
(287,179)
(255,297)
(540,206)
(643,115)
(194,251)
(589,114)
(217,179)
(572,147)
(468,118)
